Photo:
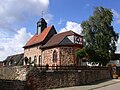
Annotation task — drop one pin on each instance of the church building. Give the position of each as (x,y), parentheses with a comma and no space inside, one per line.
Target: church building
(52,48)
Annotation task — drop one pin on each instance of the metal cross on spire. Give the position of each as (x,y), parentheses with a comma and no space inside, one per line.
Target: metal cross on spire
(42,14)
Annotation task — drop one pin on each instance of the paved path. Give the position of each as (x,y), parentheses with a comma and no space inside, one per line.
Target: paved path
(110,87)
(107,85)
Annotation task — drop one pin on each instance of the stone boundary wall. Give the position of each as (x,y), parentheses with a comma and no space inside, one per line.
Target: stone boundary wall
(40,80)
(12,85)
(14,73)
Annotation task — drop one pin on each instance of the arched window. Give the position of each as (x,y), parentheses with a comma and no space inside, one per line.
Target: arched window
(10,63)
(35,60)
(26,60)
(40,60)
(29,60)
(55,56)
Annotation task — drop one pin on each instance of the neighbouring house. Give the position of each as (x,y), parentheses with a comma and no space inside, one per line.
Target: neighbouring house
(115,59)
(48,47)
(116,56)
(1,64)
(14,60)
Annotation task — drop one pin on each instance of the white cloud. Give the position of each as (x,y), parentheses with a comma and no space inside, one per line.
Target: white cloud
(72,26)
(117,20)
(48,17)
(14,14)
(116,16)
(15,11)
(13,45)
(118,46)
(61,21)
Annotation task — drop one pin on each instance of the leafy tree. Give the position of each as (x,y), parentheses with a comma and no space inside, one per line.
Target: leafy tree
(81,53)
(100,37)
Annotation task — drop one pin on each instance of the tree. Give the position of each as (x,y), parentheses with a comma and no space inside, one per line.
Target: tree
(81,53)
(100,37)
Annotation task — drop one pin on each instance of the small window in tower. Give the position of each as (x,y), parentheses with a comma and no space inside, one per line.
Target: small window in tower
(55,56)
(40,60)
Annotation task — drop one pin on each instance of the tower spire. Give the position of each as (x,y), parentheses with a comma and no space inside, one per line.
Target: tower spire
(41,25)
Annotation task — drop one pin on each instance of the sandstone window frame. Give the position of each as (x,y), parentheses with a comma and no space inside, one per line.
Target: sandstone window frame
(40,60)
(26,60)
(35,60)
(10,63)
(30,60)
(55,56)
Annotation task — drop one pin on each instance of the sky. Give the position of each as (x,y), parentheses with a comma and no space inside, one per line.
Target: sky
(18,19)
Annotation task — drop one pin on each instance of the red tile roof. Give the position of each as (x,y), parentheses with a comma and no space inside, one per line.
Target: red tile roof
(38,38)
(57,38)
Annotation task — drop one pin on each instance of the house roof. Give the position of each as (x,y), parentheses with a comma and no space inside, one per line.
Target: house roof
(14,59)
(116,56)
(57,38)
(38,38)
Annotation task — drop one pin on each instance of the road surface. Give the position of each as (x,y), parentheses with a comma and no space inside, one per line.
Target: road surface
(115,86)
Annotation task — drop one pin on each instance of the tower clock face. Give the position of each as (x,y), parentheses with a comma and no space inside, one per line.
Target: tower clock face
(78,40)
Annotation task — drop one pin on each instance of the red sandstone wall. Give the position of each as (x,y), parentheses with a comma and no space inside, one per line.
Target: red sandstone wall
(31,52)
(66,56)
(48,57)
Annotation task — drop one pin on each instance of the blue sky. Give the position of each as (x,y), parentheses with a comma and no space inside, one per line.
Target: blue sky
(18,19)
(75,11)
(79,10)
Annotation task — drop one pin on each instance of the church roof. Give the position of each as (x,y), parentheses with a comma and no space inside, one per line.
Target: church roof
(36,39)
(57,38)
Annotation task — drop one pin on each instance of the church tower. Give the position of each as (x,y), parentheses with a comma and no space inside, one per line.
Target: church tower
(41,25)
